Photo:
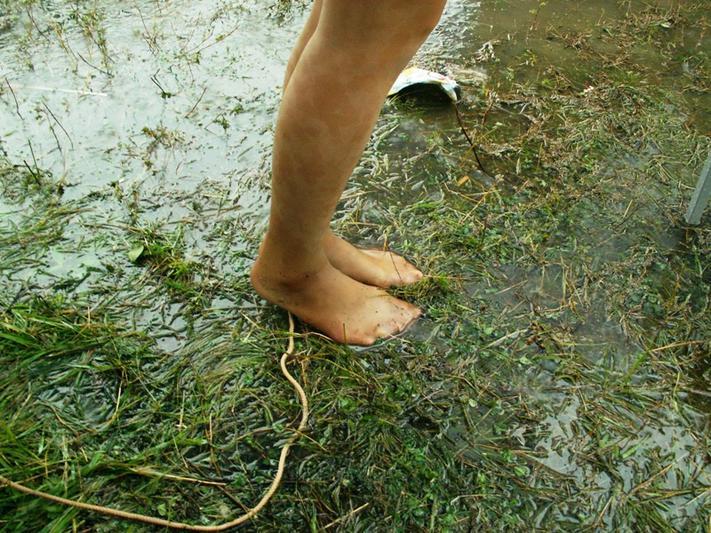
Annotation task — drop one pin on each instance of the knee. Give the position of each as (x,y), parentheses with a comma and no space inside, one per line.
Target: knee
(388,22)
(414,20)
(425,15)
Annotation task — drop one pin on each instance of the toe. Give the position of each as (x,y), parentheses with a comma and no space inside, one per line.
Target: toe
(394,327)
(393,270)
(367,340)
(357,338)
(414,314)
(406,272)
(410,315)
(413,275)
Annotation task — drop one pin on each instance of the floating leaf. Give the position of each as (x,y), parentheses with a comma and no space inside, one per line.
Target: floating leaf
(135,253)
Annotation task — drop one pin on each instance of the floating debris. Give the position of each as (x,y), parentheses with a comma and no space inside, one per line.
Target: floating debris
(486,52)
(417,80)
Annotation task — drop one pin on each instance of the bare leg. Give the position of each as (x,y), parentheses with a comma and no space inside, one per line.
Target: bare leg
(381,268)
(329,108)
(302,41)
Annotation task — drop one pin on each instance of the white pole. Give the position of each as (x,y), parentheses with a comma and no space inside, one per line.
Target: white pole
(700,198)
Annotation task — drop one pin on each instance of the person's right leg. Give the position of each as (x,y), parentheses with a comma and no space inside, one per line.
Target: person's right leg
(330,106)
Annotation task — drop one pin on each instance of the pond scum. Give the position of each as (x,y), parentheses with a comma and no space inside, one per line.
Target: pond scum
(560,379)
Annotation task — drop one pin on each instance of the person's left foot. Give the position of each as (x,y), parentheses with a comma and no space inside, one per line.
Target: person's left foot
(379,268)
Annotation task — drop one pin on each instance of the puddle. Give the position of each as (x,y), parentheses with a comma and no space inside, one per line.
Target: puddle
(197,106)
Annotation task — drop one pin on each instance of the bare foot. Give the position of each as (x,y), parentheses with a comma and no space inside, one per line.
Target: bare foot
(347,311)
(374,267)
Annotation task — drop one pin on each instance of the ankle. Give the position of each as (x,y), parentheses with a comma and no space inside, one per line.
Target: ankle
(287,266)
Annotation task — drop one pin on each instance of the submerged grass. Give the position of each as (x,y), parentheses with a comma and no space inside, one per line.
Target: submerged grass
(560,377)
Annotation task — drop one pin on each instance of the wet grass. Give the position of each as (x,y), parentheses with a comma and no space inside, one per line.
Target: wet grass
(559,380)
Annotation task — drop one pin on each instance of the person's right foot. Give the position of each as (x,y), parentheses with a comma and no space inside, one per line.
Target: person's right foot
(380,268)
(347,311)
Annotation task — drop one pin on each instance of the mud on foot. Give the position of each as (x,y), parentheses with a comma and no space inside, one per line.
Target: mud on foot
(342,308)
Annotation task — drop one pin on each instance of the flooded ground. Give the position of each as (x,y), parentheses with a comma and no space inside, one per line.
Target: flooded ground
(560,376)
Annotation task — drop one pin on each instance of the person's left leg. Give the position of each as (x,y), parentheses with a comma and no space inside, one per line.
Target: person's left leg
(304,38)
(380,268)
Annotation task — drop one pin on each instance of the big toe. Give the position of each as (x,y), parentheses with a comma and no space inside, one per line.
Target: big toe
(399,322)
(398,271)
(408,273)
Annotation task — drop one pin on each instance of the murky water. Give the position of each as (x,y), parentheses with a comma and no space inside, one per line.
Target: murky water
(166,109)
(183,93)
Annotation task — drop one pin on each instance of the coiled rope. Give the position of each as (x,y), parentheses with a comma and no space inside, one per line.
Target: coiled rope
(251,513)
